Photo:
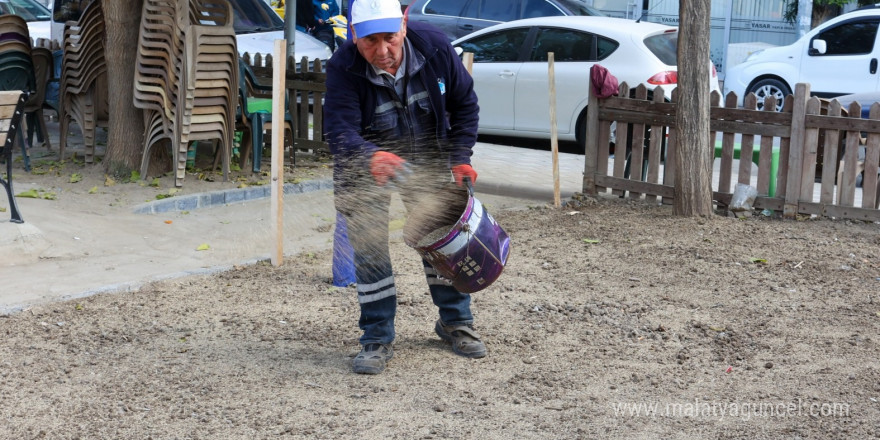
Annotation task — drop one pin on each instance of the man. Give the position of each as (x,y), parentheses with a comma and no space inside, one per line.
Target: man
(400,112)
(323,11)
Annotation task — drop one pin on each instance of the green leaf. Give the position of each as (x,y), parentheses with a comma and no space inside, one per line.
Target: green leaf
(203,247)
(135,176)
(94,190)
(76,177)
(591,241)
(758,260)
(29,194)
(155,182)
(171,193)
(37,194)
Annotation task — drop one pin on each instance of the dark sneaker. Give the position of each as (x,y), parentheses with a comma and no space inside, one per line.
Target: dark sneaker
(465,341)
(372,358)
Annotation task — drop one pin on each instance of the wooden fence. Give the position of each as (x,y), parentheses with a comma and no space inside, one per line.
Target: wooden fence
(306,86)
(809,141)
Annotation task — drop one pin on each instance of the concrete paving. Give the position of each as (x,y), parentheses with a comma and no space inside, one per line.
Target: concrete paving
(48,259)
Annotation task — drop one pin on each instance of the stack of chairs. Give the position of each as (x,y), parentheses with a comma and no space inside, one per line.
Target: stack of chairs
(211,79)
(51,99)
(158,73)
(84,97)
(187,84)
(16,64)
(44,68)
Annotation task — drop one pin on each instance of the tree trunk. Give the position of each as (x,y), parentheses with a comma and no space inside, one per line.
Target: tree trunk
(693,181)
(125,134)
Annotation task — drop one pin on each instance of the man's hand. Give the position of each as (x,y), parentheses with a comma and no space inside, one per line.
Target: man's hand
(462,171)
(385,165)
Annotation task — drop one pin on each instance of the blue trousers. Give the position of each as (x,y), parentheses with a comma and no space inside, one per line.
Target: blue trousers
(366,213)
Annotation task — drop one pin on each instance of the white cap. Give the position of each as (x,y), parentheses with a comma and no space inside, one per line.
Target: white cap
(375,16)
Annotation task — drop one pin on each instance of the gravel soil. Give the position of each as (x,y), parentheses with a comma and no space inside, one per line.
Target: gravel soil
(613,319)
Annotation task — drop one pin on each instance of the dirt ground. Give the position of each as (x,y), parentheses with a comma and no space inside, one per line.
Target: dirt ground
(612,319)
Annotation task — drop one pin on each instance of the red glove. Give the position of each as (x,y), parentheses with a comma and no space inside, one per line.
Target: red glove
(462,171)
(385,165)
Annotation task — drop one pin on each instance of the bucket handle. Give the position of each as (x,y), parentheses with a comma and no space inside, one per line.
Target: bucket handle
(469,184)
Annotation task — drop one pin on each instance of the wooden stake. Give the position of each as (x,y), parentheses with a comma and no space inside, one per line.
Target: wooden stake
(468,59)
(279,87)
(554,141)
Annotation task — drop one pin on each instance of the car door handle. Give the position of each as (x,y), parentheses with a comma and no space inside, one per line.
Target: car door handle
(873,66)
(467,27)
(506,73)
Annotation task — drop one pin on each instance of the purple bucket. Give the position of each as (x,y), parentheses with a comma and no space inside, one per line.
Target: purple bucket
(459,238)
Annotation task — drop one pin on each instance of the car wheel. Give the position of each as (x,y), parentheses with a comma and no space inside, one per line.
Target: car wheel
(766,88)
(580,133)
(580,130)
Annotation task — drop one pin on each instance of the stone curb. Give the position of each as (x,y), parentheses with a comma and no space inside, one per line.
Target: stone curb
(192,202)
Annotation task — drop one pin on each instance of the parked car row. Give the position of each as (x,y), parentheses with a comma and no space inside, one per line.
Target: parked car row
(510,55)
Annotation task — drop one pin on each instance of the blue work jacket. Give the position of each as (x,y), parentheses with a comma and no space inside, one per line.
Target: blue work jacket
(351,100)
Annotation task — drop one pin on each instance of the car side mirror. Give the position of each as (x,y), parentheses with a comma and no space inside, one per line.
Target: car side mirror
(459,50)
(818,47)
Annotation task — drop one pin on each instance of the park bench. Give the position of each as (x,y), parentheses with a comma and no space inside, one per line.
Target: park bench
(11,105)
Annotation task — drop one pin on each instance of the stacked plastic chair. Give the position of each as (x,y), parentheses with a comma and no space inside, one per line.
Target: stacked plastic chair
(83,86)
(211,79)
(44,66)
(187,81)
(16,64)
(158,74)
(255,115)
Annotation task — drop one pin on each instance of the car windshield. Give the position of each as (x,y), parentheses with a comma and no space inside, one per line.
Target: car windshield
(255,16)
(29,10)
(580,7)
(664,46)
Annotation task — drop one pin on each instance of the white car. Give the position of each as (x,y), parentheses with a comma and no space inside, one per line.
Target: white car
(257,26)
(510,69)
(838,57)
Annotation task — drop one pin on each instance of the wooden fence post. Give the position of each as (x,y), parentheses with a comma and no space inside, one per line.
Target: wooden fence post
(591,148)
(554,141)
(796,151)
(872,162)
(279,75)
(467,59)
(671,163)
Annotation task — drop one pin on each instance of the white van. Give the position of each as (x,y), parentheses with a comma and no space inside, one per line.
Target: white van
(838,57)
(257,26)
